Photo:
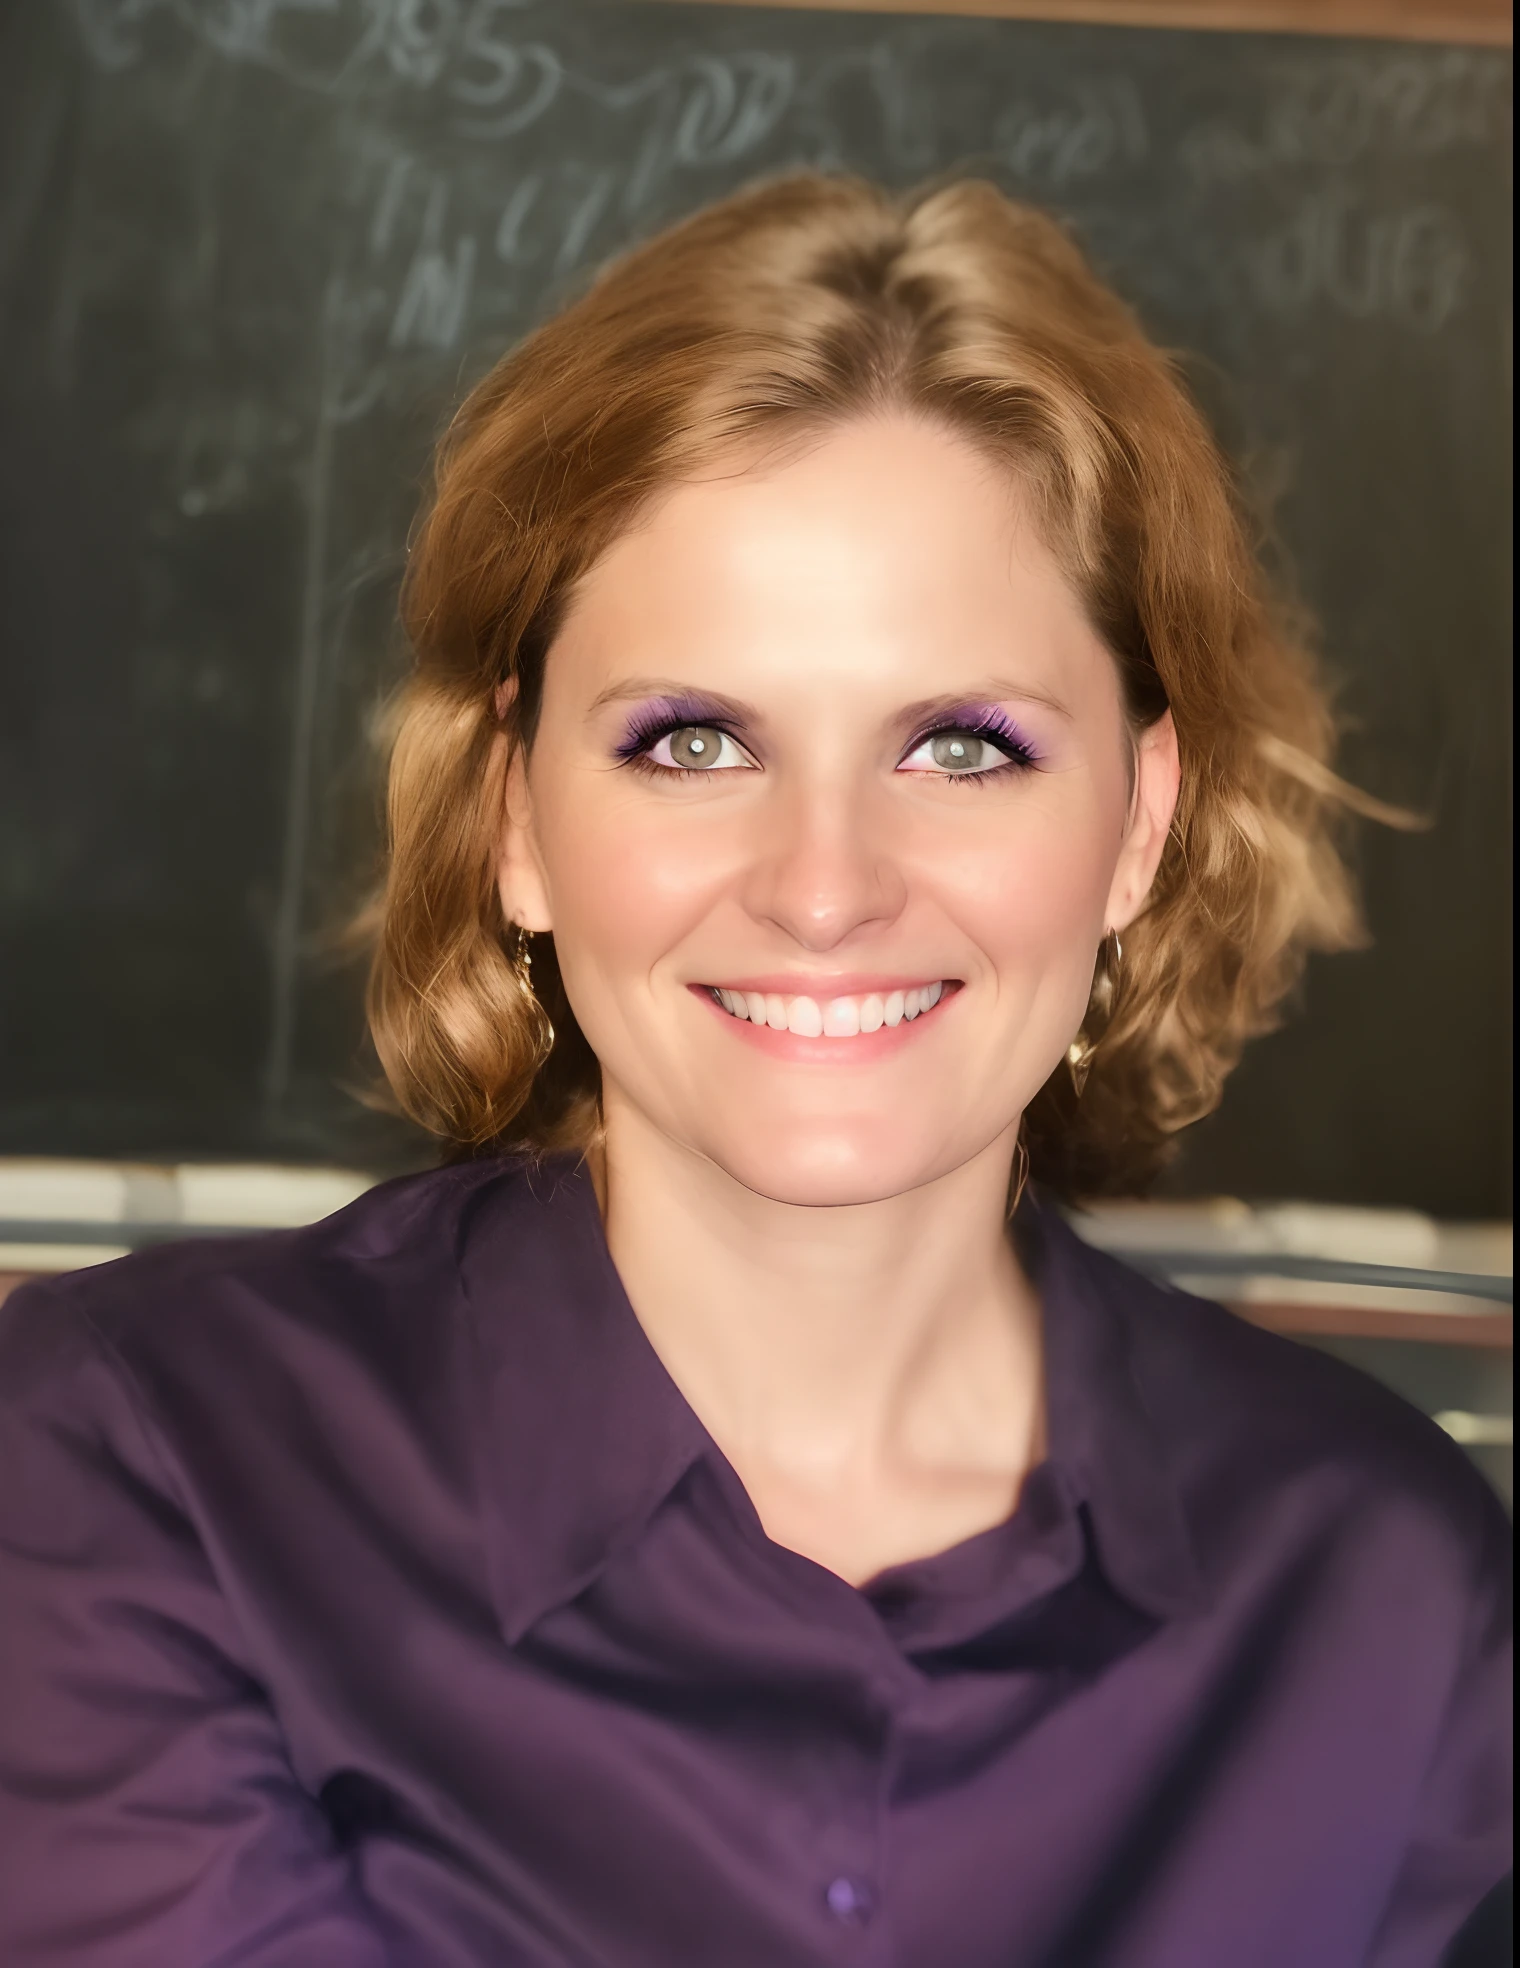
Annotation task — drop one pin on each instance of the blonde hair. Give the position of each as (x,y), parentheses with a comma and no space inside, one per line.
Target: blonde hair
(787,309)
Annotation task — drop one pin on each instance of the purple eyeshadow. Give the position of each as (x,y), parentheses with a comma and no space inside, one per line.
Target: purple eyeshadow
(983,721)
(654,720)
(650,722)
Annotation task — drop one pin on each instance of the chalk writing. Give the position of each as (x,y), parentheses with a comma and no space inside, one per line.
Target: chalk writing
(526,81)
(1411,267)
(436,292)
(599,185)
(521,199)
(1059,143)
(300,789)
(350,47)
(731,106)
(1420,106)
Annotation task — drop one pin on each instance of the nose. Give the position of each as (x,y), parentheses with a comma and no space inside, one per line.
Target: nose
(825,868)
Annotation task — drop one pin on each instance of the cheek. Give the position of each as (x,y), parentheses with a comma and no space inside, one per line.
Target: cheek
(628,877)
(1034,898)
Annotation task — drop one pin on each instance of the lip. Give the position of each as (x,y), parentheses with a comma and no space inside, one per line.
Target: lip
(865,1049)
(842,984)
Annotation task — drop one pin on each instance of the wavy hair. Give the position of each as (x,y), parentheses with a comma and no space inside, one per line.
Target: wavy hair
(785,310)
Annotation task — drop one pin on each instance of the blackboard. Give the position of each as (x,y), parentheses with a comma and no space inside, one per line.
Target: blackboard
(251,251)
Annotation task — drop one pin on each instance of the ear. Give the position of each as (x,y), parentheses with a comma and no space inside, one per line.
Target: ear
(1158,776)
(521,880)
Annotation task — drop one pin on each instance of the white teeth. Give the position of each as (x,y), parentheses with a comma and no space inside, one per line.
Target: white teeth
(841,1018)
(804,1018)
(837,1018)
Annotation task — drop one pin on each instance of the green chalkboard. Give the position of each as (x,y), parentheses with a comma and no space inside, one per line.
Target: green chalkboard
(251,251)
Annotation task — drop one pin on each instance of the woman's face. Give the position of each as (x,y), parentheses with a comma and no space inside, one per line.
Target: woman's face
(829,807)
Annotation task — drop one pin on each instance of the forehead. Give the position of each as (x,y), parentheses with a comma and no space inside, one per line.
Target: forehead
(888,553)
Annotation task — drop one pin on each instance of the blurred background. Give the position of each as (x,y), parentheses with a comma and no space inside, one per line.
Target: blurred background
(253,251)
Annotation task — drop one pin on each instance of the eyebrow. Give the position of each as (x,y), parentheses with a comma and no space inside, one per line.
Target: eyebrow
(637,690)
(988,690)
(991,690)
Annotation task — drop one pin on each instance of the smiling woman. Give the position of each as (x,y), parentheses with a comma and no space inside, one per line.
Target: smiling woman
(853,788)
(966,367)
(833,730)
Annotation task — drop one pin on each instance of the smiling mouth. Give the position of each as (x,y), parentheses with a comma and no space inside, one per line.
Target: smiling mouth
(831,1018)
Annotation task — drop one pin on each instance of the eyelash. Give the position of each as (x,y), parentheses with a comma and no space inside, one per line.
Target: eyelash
(633,749)
(1019,756)
(642,737)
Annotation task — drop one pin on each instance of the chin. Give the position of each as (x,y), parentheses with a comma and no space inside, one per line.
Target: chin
(826,1170)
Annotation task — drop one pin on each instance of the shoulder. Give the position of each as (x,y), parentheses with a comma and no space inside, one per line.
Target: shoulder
(376,1279)
(1270,1439)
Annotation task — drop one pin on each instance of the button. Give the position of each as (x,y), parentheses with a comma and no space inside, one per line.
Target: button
(849,1900)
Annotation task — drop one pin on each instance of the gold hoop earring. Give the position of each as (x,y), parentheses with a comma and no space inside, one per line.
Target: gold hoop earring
(521,960)
(1079,1054)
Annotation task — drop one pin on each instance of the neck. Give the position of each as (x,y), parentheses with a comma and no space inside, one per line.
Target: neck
(831,1343)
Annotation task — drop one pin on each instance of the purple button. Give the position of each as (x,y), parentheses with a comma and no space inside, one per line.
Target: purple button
(848,1899)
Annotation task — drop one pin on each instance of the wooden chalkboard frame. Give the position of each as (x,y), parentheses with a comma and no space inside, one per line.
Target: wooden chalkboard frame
(1482,23)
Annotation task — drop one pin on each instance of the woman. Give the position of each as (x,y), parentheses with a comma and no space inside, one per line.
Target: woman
(852,790)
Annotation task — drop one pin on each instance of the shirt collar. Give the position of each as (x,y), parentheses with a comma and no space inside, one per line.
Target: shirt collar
(1104,1434)
(585,1434)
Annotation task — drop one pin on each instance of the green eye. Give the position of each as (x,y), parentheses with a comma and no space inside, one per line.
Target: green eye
(698,748)
(958,751)
(695,746)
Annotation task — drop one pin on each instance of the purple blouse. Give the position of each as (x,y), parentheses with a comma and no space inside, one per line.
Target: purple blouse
(369,1594)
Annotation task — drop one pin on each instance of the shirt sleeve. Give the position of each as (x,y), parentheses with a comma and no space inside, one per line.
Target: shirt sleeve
(149,1816)
(1462,1840)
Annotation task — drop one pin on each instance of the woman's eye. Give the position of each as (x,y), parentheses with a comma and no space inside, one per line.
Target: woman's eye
(955,752)
(697,748)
